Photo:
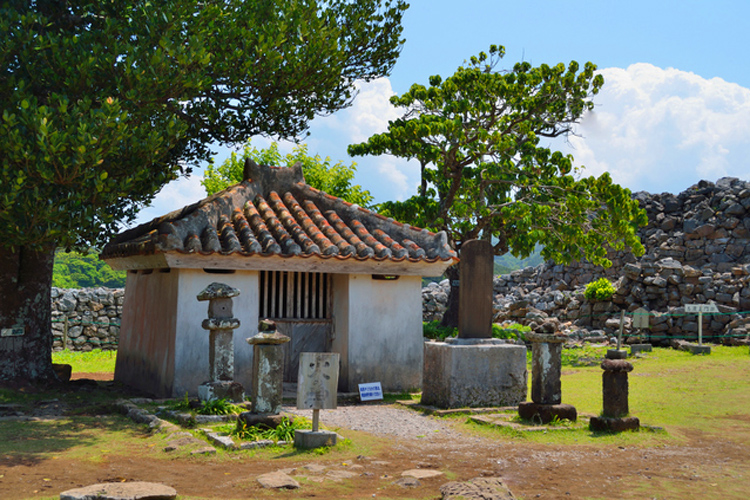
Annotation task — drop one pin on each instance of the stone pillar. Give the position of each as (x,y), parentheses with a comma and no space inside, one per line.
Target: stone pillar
(220,324)
(546,393)
(615,398)
(268,369)
(475,292)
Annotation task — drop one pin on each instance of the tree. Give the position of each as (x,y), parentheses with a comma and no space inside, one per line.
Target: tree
(84,270)
(334,179)
(104,102)
(485,174)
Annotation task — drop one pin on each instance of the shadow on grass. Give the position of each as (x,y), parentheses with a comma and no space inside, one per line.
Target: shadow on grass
(24,442)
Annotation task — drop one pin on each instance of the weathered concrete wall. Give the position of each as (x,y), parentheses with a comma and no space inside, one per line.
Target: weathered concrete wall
(384,323)
(86,319)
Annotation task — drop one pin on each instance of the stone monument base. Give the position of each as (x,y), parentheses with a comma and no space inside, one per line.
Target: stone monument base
(542,413)
(308,440)
(233,391)
(473,373)
(617,354)
(698,349)
(636,348)
(611,424)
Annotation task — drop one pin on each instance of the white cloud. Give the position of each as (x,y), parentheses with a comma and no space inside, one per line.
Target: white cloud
(663,130)
(174,196)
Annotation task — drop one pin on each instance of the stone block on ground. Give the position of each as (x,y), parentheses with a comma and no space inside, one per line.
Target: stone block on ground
(263,420)
(636,348)
(481,488)
(307,440)
(474,374)
(421,473)
(607,424)
(541,413)
(698,349)
(136,490)
(277,480)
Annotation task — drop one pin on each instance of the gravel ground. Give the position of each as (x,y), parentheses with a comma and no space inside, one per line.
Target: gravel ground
(382,419)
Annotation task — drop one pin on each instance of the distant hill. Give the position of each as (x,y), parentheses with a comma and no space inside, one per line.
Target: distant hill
(505,264)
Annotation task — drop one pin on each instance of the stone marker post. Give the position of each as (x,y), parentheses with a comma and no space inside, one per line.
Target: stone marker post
(317,386)
(474,369)
(268,369)
(220,324)
(640,321)
(546,393)
(615,398)
(475,292)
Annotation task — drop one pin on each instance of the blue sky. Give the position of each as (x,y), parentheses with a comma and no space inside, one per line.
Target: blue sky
(675,107)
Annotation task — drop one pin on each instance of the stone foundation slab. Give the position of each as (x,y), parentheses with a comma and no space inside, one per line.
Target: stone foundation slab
(480,375)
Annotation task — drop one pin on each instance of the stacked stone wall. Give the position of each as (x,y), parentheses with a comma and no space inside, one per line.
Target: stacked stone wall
(697,251)
(86,319)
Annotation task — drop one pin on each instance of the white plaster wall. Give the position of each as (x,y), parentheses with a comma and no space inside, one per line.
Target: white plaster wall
(382,333)
(191,340)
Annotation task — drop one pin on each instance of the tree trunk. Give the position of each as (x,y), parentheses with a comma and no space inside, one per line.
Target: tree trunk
(450,318)
(25,327)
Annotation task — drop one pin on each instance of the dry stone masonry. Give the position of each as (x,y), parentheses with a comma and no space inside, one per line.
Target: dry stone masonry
(697,250)
(88,318)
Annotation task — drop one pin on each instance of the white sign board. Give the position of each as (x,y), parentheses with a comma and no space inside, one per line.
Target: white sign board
(640,318)
(317,380)
(701,308)
(370,392)
(16,331)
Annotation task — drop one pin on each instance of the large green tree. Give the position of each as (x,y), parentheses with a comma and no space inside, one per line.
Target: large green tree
(335,179)
(103,102)
(486,172)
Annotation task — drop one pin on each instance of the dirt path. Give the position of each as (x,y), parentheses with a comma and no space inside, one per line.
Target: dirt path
(697,466)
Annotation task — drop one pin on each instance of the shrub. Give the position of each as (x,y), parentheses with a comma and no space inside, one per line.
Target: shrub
(218,407)
(284,431)
(601,289)
(433,330)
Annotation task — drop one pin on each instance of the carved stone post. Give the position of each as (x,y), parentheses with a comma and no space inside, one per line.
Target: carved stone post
(615,398)
(546,394)
(220,324)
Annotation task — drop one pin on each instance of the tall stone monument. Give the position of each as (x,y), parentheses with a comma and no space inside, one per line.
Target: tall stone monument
(474,370)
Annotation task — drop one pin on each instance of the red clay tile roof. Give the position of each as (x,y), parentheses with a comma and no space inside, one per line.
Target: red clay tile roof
(274,212)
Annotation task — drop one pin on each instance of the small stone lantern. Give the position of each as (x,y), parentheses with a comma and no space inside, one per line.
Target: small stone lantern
(220,324)
(614,416)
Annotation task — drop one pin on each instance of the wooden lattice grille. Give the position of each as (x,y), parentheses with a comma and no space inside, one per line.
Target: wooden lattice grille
(292,295)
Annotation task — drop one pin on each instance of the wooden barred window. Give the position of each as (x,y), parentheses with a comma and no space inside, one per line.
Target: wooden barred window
(293,295)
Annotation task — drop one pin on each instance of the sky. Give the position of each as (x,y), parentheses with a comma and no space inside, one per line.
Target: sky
(674,109)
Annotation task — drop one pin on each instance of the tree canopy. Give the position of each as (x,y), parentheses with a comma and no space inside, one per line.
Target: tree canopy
(332,178)
(103,102)
(486,173)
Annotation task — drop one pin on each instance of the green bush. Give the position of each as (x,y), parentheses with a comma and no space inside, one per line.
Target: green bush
(433,330)
(601,289)
(284,431)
